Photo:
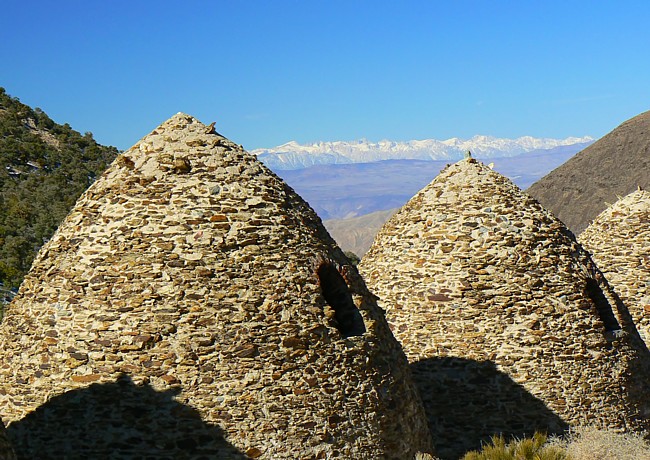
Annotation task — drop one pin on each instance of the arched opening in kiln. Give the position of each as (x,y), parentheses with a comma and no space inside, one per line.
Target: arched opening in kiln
(337,295)
(603,306)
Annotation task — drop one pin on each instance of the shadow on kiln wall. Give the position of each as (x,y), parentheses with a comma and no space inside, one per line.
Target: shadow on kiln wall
(118,420)
(469,401)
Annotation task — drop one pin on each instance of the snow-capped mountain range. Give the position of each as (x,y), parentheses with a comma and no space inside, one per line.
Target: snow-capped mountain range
(293,155)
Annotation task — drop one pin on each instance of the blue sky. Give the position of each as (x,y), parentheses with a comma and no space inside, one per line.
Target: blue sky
(272,71)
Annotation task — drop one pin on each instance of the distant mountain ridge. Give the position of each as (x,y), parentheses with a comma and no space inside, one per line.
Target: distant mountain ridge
(355,199)
(293,155)
(338,191)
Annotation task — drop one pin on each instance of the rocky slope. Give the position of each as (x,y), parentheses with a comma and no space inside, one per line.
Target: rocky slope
(44,167)
(585,185)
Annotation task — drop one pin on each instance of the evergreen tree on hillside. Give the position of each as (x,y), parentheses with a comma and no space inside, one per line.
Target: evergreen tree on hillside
(44,167)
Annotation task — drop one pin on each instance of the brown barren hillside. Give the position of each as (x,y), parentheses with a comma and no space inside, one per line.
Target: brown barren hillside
(584,186)
(357,233)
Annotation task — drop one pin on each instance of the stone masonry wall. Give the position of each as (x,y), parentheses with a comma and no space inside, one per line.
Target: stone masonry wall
(178,313)
(619,240)
(507,323)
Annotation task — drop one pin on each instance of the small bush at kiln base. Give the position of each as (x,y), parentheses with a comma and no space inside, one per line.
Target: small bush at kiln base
(534,448)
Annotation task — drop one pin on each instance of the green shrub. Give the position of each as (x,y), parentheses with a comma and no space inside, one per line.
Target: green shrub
(44,167)
(354,259)
(534,448)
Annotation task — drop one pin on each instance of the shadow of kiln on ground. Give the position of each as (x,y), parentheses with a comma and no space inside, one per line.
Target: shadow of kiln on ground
(469,401)
(118,421)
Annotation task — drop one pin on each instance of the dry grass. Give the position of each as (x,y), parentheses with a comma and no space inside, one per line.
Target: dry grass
(424,456)
(588,443)
(585,443)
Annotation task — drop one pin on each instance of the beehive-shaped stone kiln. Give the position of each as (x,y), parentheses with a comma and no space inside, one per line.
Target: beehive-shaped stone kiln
(508,324)
(193,306)
(619,241)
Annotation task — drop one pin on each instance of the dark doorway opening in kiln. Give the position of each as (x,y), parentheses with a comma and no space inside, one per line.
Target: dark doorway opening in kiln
(337,295)
(603,306)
